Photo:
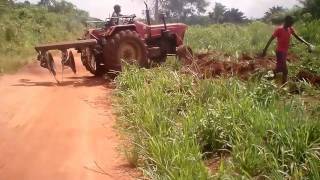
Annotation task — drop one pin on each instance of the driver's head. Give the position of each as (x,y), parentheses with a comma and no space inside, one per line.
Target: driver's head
(117,8)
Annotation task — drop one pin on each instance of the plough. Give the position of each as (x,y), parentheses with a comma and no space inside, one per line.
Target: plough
(67,57)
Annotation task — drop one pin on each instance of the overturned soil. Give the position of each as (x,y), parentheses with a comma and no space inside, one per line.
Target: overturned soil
(50,131)
(217,64)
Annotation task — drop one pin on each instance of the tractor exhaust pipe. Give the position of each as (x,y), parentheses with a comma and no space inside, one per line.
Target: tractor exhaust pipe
(163,18)
(147,14)
(148,18)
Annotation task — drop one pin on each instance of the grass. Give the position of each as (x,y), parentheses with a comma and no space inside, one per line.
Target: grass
(10,64)
(229,38)
(22,27)
(175,121)
(248,38)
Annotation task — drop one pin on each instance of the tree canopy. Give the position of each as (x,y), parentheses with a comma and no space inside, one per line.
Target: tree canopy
(64,7)
(312,7)
(217,15)
(181,9)
(274,14)
(234,16)
(275,10)
(47,3)
(220,14)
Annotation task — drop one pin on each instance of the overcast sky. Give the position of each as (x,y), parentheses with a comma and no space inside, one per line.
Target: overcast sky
(103,8)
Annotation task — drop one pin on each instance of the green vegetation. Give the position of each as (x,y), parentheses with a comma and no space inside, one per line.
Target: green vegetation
(175,122)
(250,39)
(22,26)
(229,38)
(312,7)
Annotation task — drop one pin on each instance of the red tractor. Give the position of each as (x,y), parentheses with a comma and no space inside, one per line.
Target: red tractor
(104,50)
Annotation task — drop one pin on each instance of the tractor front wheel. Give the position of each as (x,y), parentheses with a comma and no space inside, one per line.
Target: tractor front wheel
(92,62)
(125,47)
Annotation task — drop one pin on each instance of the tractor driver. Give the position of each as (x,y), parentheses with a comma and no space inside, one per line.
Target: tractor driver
(116,14)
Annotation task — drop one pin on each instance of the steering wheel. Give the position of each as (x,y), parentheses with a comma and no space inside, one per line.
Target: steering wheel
(129,19)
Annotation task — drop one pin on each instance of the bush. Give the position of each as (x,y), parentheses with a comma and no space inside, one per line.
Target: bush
(22,27)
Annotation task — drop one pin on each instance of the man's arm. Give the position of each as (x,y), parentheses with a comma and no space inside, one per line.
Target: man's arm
(114,14)
(300,39)
(264,53)
(310,46)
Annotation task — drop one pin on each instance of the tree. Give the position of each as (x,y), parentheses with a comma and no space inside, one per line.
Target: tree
(273,13)
(156,10)
(217,15)
(47,3)
(312,7)
(156,6)
(234,16)
(181,9)
(63,7)
(27,3)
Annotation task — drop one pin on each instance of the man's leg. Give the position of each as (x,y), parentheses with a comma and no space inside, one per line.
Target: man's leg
(277,69)
(285,76)
(282,65)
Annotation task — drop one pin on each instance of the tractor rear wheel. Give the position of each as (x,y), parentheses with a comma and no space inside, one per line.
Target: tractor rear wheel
(125,47)
(92,62)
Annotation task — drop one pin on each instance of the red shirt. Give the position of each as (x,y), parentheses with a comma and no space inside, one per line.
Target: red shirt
(283,38)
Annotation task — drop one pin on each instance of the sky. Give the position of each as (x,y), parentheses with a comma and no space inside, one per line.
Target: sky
(103,8)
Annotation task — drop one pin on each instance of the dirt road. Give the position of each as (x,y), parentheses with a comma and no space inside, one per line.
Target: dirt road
(57,132)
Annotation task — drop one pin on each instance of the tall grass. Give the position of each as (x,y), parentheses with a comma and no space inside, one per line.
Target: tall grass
(248,38)
(21,28)
(230,38)
(311,32)
(175,121)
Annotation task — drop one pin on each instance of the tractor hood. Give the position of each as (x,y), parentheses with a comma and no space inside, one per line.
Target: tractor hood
(178,29)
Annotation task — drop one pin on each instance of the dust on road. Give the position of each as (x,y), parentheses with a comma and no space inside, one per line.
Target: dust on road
(58,132)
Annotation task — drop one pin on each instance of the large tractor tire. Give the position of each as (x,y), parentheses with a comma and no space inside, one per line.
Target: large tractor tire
(92,62)
(125,47)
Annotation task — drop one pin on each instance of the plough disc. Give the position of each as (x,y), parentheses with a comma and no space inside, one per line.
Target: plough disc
(48,63)
(69,61)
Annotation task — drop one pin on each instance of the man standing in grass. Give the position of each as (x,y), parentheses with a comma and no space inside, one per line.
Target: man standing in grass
(283,36)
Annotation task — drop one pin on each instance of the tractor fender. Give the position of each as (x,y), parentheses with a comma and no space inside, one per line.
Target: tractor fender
(115,29)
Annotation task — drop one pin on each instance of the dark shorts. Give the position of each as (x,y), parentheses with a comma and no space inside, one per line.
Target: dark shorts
(281,62)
